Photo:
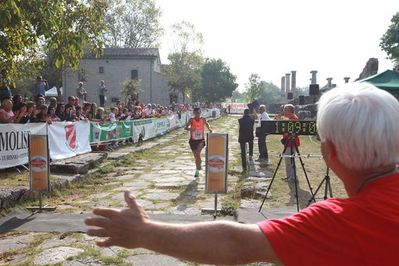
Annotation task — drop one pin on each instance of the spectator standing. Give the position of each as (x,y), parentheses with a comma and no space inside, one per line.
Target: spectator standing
(101,93)
(81,93)
(41,86)
(290,150)
(21,115)
(42,116)
(16,102)
(53,103)
(6,113)
(262,146)
(60,111)
(246,135)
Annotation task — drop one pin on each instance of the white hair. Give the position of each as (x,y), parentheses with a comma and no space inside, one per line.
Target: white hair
(362,122)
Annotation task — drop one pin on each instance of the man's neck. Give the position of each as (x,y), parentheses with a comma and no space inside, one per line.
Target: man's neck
(357,180)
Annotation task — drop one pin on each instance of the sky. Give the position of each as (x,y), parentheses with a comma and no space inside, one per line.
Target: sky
(272,38)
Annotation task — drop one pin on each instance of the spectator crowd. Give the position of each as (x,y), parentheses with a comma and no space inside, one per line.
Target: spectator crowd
(17,110)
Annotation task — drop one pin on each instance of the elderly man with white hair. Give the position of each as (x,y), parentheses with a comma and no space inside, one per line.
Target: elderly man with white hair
(359,132)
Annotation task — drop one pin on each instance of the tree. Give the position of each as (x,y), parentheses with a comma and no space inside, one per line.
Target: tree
(390,40)
(253,88)
(131,87)
(270,93)
(62,27)
(217,82)
(184,73)
(186,61)
(237,97)
(133,24)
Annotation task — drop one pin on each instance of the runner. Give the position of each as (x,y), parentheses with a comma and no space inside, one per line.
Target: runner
(197,137)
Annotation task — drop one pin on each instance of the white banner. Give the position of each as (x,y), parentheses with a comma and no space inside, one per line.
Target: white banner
(14,142)
(67,139)
(143,129)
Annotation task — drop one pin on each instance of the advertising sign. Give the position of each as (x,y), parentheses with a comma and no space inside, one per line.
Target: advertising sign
(68,139)
(216,163)
(110,131)
(39,163)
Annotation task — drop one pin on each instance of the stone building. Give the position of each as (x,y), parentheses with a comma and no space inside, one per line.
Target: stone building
(114,67)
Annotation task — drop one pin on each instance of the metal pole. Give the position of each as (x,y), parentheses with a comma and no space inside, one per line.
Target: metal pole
(40,201)
(216,206)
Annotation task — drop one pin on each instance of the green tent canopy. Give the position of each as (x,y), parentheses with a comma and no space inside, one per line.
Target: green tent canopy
(387,80)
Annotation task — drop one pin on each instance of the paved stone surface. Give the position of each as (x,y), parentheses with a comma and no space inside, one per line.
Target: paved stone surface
(56,255)
(17,242)
(163,184)
(154,260)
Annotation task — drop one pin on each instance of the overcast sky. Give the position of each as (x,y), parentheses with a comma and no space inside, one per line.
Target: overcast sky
(271,38)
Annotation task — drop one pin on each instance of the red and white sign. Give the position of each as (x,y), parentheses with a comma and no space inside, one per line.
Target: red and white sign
(67,139)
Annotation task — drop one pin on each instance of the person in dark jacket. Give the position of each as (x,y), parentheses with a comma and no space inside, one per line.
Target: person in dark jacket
(246,134)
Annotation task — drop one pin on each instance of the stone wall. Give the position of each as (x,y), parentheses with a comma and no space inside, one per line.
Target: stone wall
(154,85)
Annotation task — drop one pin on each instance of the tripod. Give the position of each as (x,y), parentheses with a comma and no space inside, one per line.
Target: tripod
(327,188)
(290,144)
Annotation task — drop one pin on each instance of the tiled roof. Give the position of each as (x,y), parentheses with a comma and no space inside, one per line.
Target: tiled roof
(126,52)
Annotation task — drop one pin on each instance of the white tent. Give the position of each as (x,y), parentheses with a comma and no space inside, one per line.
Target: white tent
(52,92)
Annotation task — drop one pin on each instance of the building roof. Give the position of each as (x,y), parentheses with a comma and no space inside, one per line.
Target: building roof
(126,53)
(387,80)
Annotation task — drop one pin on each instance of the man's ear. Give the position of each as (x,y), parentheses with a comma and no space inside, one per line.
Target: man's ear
(330,150)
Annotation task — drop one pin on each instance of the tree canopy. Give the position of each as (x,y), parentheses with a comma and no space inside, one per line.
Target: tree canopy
(132,24)
(263,91)
(63,27)
(390,40)
(217,82)
(253,89)
(184,69)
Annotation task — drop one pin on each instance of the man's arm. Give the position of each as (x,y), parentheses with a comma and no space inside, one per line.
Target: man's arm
(207,125)
(188,125)
(208,242)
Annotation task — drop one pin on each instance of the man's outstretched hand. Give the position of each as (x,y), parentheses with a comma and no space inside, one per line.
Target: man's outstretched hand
(123,228)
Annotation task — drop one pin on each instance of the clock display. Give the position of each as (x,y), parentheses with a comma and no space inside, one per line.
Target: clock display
(299,127)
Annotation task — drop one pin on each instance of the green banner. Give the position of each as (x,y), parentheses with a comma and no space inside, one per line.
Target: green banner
(110,131)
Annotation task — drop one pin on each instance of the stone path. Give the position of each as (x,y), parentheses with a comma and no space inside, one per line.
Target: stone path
(161,179)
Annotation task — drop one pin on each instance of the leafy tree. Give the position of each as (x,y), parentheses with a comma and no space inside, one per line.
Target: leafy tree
(131,87)
(62,27)
(217,82)
(270,93)
(253,88)
(186,61)
(303,91)
(390,40)
(184,72)
(237,97)
(133,24)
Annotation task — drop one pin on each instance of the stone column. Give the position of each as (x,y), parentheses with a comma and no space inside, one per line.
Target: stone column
(329,83)
(346,79)
(287,82)
(313,80)
(293,81)
(283,85)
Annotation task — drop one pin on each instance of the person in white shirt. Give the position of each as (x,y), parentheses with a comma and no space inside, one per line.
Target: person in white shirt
(263,154)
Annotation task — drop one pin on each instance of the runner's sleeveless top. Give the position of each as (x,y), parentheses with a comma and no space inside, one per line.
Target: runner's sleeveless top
(198,133)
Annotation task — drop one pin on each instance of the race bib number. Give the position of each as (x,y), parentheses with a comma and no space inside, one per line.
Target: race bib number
(198,134)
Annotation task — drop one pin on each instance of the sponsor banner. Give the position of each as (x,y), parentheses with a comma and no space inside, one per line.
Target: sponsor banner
(110,131)
(14,142)
(173,122)
(161,126)
(216,163)
(67,139)
(143,129)
(39,163)
(235,108)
